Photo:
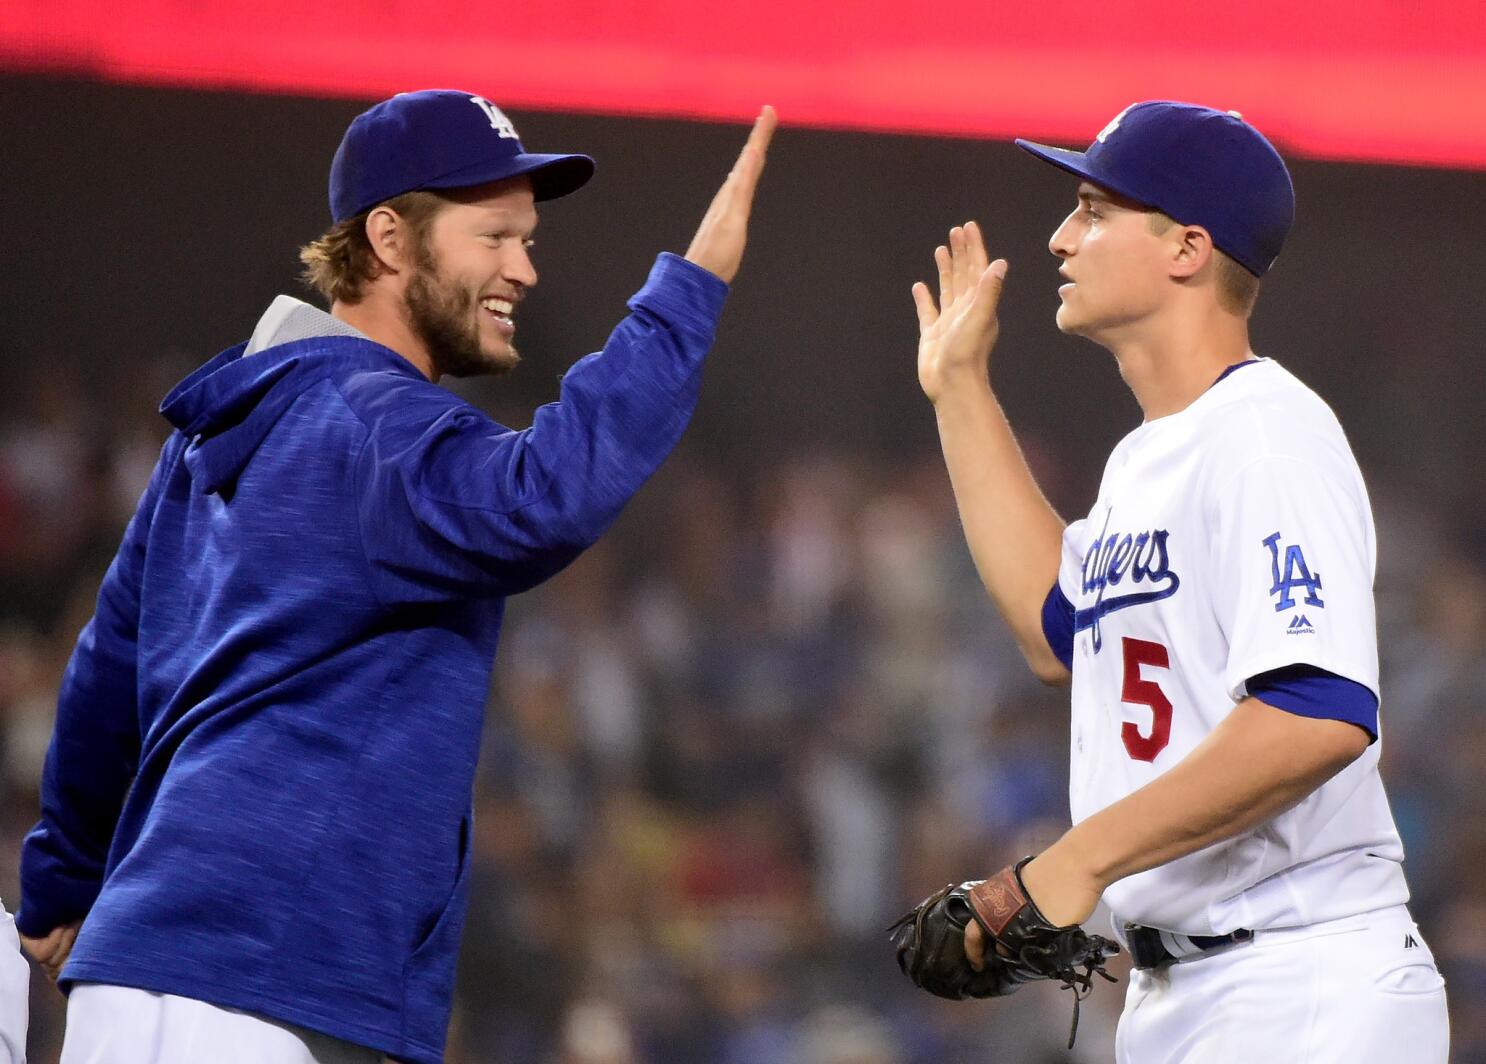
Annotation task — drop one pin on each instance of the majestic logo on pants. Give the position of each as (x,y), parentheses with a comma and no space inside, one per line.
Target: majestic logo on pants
(1115,558)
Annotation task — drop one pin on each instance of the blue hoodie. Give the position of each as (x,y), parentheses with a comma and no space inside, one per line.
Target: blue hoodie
(259,788)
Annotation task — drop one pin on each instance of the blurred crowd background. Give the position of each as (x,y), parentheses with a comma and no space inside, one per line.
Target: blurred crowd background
(772,708)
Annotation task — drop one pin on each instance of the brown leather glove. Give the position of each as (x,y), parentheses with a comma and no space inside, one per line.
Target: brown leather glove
(930,943)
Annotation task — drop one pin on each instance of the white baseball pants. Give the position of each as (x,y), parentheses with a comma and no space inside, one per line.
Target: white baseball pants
(1361,990)
(15,993)
(123,1025)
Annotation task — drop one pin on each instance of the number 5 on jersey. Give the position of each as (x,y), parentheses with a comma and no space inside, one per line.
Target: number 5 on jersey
(1142,692)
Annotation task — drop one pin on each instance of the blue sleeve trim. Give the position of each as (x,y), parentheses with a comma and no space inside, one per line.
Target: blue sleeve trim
(1057,625)
(1311,692)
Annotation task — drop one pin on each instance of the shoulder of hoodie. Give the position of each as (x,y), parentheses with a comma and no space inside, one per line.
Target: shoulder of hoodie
(391,396)
(1265,416)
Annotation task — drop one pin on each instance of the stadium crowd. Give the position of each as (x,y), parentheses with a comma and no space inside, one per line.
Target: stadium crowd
(738,738)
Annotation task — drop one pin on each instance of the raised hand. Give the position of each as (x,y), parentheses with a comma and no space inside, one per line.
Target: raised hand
(955,339)
(718,244)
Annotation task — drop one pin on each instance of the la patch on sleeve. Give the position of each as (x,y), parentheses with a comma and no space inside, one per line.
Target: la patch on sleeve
(1292,576)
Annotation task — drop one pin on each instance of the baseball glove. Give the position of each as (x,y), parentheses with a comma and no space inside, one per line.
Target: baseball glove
(930,943)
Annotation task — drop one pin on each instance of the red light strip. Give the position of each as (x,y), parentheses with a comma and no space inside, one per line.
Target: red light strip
(1362,80)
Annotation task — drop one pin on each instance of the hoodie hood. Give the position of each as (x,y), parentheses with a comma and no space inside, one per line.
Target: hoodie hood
(229,405)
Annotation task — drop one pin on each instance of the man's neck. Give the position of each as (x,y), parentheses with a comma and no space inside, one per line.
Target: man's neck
(379,322)
(1169,364)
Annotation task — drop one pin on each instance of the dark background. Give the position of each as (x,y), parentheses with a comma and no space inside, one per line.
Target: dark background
(773,707)
(143,223)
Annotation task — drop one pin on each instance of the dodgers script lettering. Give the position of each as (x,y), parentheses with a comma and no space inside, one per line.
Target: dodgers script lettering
(1124,569)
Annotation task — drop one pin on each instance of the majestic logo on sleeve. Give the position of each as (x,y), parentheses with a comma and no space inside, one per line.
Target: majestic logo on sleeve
(1292,575)
(1121,570)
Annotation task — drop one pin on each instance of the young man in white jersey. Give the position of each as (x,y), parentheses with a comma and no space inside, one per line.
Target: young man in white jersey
(1213,613)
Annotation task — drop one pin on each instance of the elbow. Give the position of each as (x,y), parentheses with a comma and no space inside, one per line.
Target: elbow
(1351,743)
(1047,668)
(1305,751)
(1335,746)
(1054,676)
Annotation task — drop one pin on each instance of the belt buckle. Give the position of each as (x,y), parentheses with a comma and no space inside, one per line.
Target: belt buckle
(1147,951)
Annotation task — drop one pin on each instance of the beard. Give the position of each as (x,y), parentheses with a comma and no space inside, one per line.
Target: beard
(446,318)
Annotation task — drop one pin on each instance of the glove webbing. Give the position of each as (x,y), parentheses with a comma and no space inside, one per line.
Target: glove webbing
(1000,901)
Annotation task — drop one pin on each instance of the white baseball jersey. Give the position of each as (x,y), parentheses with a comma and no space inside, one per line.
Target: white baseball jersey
(1229,539)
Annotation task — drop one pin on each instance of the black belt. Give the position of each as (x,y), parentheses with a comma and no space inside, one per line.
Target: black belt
(1150,947)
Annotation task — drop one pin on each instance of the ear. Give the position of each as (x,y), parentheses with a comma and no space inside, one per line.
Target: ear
(386,232)
(1191,250)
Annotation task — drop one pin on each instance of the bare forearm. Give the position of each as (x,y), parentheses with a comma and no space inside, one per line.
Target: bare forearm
(1015,537)
(1258,763)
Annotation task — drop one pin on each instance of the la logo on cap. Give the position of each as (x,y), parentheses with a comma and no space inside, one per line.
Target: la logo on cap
(498,121)
(1114,124)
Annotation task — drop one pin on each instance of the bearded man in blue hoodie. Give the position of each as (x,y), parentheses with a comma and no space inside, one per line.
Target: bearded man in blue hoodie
(254,843)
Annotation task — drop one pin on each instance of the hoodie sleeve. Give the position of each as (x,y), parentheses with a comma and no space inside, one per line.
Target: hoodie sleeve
(95,744)
(464,506)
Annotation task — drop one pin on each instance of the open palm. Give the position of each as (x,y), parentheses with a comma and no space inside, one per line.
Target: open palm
(719,241)
(955,338)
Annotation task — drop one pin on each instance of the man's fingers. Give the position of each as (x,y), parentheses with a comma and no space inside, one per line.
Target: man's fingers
(975,946)
(962,263)
(63,950)
(924,303)
(976,245)
(54,946)
(957,254)
(745,173)
(763,131)
(719,241)
(990,283)
(45,947)
(946,277)
(970,258)
(742,179)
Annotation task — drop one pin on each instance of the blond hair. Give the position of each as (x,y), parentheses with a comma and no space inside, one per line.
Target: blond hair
(1238,289)
(340,262)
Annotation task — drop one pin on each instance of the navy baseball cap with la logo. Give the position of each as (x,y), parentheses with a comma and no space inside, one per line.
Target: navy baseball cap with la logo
(439,138)
(1200,166)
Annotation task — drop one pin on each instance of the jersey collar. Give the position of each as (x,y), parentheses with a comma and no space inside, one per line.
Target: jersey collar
(1232,368)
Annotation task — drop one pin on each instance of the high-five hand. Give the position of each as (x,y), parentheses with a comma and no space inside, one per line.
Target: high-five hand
(718,245)
(956,338)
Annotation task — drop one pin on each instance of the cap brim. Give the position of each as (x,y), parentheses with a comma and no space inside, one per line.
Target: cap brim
(551,175)
(1075,163)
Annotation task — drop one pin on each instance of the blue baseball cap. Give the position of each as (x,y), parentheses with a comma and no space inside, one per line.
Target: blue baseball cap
(1200,166)
(439,138)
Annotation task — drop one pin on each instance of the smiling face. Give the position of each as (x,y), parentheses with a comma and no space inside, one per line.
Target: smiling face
(471,270)
(1117,266)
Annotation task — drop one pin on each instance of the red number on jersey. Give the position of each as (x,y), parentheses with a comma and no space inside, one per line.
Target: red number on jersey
(1144,692)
